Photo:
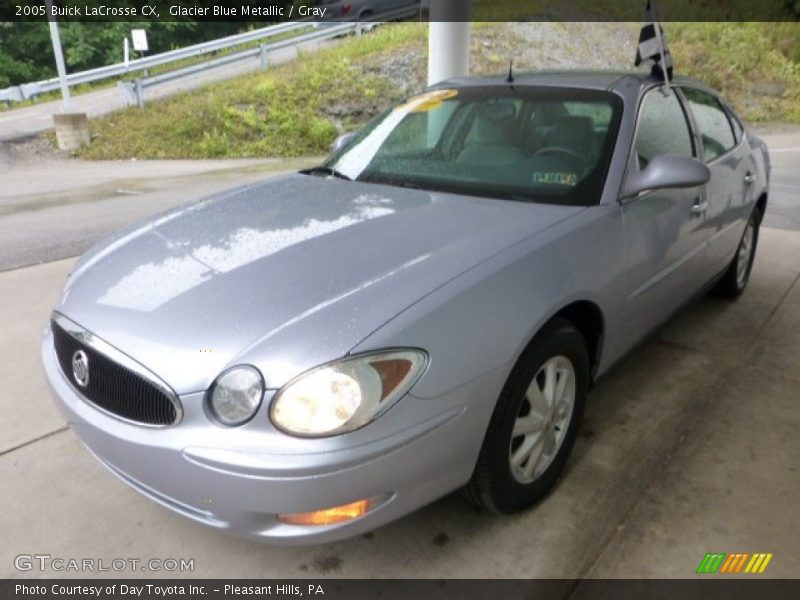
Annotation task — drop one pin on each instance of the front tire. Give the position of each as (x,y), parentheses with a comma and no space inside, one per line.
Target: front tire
(535,422)
(736,278)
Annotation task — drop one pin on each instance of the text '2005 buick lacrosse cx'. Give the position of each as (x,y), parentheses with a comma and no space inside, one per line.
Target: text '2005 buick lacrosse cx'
(313,356)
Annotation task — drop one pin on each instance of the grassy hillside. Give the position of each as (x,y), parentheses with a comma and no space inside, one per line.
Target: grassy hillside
(280,112)
(756,66)
(298,108)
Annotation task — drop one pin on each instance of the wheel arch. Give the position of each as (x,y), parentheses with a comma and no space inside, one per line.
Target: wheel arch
(587,317)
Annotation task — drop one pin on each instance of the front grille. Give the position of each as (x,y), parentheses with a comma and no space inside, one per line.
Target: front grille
(113,387)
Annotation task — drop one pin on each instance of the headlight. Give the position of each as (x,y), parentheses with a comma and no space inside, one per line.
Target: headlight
(236,395)
(346,395)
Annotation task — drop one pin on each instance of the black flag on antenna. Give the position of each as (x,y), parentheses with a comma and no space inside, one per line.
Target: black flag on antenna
(653,45)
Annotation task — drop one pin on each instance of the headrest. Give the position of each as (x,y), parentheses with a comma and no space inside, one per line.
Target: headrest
(548,113)
(574,133)
(495,123)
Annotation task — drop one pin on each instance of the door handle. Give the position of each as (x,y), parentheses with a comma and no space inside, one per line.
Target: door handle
(699,208)
(749,178)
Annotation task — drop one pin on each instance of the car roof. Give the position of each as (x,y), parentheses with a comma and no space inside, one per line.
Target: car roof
(596,79)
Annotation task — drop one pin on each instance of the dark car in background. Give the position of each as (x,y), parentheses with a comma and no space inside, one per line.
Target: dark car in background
(349,10)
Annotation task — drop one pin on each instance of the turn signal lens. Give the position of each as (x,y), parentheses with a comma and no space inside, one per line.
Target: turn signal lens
(329,516)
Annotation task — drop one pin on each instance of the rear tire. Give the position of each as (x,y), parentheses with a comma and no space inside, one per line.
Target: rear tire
(736,278)
(537,415)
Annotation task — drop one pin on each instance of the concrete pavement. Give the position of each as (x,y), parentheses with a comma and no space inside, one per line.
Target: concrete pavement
(688,447)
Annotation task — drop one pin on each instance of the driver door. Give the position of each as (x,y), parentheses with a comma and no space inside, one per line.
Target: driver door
(666,231)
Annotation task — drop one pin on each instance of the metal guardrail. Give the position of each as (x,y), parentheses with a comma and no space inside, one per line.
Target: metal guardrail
(12,94)
(133,90)
(27,91)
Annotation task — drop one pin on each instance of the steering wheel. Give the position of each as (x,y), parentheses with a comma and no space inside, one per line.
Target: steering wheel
(560,150)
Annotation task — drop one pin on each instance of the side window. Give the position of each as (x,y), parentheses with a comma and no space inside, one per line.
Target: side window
(663,128)
(715,128)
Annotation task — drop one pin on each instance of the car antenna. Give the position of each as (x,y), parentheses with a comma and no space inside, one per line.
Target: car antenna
(510,78)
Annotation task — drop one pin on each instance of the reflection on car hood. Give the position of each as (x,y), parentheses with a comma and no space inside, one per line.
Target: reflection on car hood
(285,274)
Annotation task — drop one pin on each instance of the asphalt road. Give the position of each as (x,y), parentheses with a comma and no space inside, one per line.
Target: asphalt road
(784,204)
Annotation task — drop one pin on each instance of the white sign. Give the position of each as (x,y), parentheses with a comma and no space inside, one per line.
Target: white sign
(139,37)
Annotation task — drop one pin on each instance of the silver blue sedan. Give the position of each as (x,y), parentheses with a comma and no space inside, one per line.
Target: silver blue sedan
(313,356)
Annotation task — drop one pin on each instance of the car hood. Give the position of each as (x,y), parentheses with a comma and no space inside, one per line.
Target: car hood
(285,274)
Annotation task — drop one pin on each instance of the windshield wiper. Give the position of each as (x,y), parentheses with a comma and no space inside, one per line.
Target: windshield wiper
(408,184)
(330,172)
(392,181)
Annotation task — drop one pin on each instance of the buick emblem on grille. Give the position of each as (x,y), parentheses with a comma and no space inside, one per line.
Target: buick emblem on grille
(80,368)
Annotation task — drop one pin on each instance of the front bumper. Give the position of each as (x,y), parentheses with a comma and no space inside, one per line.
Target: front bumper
(238,480)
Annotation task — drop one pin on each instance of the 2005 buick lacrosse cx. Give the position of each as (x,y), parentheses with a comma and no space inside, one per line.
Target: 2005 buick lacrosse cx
(312,356)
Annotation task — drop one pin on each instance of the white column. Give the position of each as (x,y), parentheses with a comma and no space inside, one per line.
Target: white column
(448,40)
(59,54)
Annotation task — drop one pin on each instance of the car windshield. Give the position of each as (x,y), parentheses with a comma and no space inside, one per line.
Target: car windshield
(537,144)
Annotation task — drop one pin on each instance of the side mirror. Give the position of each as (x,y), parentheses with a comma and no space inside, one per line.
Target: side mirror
(667,171)
(341,141)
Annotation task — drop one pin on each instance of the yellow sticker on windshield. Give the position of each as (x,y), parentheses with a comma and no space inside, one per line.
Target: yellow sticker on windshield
(428,101)
(555,178)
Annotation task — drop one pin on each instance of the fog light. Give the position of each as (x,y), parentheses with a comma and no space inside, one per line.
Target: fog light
(330,516)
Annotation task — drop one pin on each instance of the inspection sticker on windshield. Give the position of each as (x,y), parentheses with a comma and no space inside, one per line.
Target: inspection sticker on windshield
(555,178)
(428,101)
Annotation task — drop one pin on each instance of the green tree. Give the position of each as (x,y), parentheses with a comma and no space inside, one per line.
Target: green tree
(26,52)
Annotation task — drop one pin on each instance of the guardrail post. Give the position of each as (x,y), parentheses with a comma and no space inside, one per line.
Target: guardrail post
(359,28)
(264,56)
(29,90)
(126,89)
(139,91)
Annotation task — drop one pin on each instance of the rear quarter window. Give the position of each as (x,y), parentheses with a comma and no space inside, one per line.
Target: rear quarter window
(712,121)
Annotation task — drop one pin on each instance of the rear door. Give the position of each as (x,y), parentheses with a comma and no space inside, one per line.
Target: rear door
(730,190)
(666,231)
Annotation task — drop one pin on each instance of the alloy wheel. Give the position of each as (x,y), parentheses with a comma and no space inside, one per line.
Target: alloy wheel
(543,419)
